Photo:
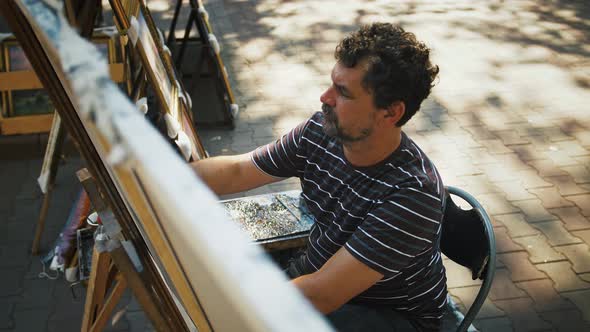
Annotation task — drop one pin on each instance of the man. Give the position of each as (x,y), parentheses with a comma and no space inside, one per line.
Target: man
(373,259)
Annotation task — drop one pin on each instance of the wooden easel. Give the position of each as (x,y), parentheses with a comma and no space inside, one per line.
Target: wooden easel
(48,174)
(82,15)
(11,81)
(210,56)
(43,56)
(112,269)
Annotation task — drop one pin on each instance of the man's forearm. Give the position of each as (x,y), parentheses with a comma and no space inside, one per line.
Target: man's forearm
(219,173)
(315,295)
(231,174)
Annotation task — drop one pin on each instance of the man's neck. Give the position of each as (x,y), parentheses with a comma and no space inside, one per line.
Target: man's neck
(372,150)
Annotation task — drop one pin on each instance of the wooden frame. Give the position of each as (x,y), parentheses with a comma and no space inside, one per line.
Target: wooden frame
(134,18)
(24,79)
(200,19)
(161,212)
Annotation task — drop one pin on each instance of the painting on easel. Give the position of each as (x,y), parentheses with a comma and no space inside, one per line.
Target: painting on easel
(162,217)
(22,102)
(134,19)
(26,107)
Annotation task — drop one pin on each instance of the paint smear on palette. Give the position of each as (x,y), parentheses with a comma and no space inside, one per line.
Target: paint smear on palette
(269,216)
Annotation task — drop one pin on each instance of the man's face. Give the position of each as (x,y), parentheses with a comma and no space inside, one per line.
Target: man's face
(348,108)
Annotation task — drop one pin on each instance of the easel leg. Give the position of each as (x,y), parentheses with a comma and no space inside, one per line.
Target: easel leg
(171,37)
(184,42)
(113,250)
(139,289)
(109,304)
(97,288)
(50,164)
(41,222)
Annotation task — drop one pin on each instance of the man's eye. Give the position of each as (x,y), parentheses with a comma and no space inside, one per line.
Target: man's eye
(342,92)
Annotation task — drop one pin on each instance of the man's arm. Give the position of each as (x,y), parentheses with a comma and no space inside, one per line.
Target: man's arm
(231,174)
(339,280)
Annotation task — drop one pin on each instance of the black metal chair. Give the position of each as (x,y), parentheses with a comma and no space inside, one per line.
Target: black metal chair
(468,239)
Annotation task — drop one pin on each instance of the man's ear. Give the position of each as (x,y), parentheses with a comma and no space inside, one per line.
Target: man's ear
(395,111)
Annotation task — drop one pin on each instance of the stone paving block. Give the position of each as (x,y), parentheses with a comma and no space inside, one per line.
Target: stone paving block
(15,233)
(566,185)
(503,287)
(583,202)
(514,190)
(559,157)
(571,149)
(556,134)
(520,267)
(563,276)
(556,234)
(467,296)
(579,173)
(37,294)
(584,235)
(583,161)
(579,255)
(531,179)
(526,152)
(539,249)
(138,322)
(581,299)
(31,320)
(11,281)
(468,120)
(511,137)
(546,167)
(522,315)
(480,133)
(567,321)
(572,218)
(464,166)
(478,184)
(516,225)
(544,296)
(583,137)
(6,208)
(6,313)
(493,324)
(550,198)
(504,243)
(465,141)
(458,276)
(14,255)
(482,156)
(497,172)
(496,204)
(534,211)
(495,146)
(67,311)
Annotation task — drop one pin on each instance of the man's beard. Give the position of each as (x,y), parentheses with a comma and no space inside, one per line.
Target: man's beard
(332,127)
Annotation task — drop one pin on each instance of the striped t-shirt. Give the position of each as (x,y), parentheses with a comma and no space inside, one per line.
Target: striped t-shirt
(387,215)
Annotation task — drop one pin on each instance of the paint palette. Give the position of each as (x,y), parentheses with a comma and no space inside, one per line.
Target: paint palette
(278,220)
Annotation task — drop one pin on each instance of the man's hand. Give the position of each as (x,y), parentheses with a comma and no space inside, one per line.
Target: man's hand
(231,174)
(339,280)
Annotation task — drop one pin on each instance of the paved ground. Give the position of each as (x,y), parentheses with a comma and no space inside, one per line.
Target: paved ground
(508,121)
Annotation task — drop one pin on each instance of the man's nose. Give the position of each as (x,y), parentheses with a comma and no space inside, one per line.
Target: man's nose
(326,97)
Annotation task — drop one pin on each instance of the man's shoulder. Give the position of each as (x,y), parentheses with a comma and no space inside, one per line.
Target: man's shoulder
(313,131)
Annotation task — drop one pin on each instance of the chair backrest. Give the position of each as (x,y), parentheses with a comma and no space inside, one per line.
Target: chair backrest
(468,239)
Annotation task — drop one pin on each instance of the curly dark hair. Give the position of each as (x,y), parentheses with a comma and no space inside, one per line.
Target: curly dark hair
(399,68)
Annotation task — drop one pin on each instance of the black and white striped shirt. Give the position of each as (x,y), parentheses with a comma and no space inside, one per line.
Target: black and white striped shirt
(387,215)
